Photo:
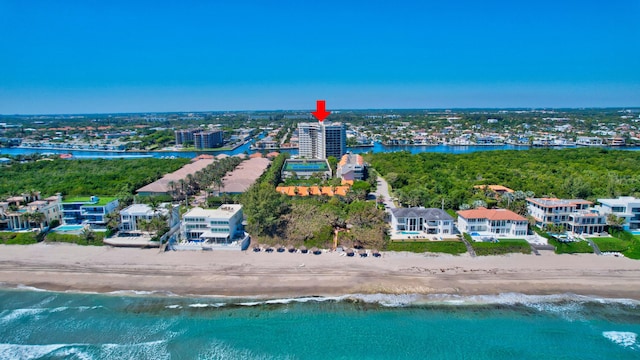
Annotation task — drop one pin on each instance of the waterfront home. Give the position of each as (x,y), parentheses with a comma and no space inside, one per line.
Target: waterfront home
(133,214)
(627,207)
(222,226)
(419,222)
(91,210)
(549,211)
(493,222)
(16,216)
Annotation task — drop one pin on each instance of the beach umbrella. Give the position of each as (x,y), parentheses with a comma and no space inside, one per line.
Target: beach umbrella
(375,253)
(363,253)
(291,248)
(256,248)
(279,248)
(315,251)
(303,249)
(269,249)
(350,252)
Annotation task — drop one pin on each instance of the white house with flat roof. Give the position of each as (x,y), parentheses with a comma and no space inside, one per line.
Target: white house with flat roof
(220,226)
(555,211)
(627,207)
(132,214)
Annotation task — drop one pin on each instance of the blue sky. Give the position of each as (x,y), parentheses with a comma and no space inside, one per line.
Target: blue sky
(141,56)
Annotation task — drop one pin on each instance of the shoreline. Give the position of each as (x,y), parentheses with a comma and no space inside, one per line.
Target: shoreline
(227,273)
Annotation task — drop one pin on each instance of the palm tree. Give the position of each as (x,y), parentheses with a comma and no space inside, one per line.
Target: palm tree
(88,235)
(615,221)
(172,188)
(37,217)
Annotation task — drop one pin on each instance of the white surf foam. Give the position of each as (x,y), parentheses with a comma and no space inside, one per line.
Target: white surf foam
(30,288)
(143,293)
(26,352)
(623,338)
(145,350)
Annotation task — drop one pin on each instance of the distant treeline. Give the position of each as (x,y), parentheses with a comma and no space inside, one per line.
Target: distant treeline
(85,177)
(428,179)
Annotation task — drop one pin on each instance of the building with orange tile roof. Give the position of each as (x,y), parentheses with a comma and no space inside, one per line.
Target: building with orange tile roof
(499,190)
(497,222)
(327,190)
(315,190)
(303,191)
(341,190)
(351,167)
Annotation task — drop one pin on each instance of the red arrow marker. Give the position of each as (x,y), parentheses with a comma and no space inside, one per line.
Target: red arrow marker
(321,113)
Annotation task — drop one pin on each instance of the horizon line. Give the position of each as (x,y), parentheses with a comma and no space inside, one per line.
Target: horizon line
(637,107)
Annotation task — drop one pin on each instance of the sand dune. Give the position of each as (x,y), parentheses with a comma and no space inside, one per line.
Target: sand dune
(67,267)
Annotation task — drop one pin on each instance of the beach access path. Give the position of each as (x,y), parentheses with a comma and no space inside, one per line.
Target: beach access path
(69,267)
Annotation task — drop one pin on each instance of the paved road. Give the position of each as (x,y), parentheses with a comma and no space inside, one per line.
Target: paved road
(382,192)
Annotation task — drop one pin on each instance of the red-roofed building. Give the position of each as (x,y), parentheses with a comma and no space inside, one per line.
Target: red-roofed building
(498,222)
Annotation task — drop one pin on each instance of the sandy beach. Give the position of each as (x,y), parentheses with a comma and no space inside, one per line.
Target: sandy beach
(67,267)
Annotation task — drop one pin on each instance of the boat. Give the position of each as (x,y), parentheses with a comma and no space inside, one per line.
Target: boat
(589,141)
(617,141)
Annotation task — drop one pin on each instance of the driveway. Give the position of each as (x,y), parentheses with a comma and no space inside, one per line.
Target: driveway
(382,192)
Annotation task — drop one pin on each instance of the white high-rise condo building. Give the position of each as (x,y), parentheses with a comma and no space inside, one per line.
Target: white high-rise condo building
(319,140)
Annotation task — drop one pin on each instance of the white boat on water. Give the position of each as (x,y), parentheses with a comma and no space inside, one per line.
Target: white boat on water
(589,141)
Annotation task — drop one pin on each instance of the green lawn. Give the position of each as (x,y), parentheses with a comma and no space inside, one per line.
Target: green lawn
(102,200)
(612,244)
(75,239)
(575,247)
(14,238)
(503,246)
(448,247)
(634,249)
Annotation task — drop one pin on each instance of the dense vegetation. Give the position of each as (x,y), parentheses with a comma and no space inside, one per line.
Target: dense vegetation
(85,177)
(15,238)
(504,246)
(448,247)
(429,178)
(311,221)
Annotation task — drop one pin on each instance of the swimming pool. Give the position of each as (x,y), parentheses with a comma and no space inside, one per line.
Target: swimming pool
(409,232)
(65,228)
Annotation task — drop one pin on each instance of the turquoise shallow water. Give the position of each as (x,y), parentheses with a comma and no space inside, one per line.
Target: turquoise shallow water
(48,325)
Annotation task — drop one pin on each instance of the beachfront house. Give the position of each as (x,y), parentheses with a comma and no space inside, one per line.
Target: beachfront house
(91,210)
(419,222)
(17,212)
(219,226)
(627,207)
(550,211)
(131,216)
(575,215)
(492,222)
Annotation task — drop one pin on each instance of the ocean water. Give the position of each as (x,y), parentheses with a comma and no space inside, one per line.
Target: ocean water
(124,325)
